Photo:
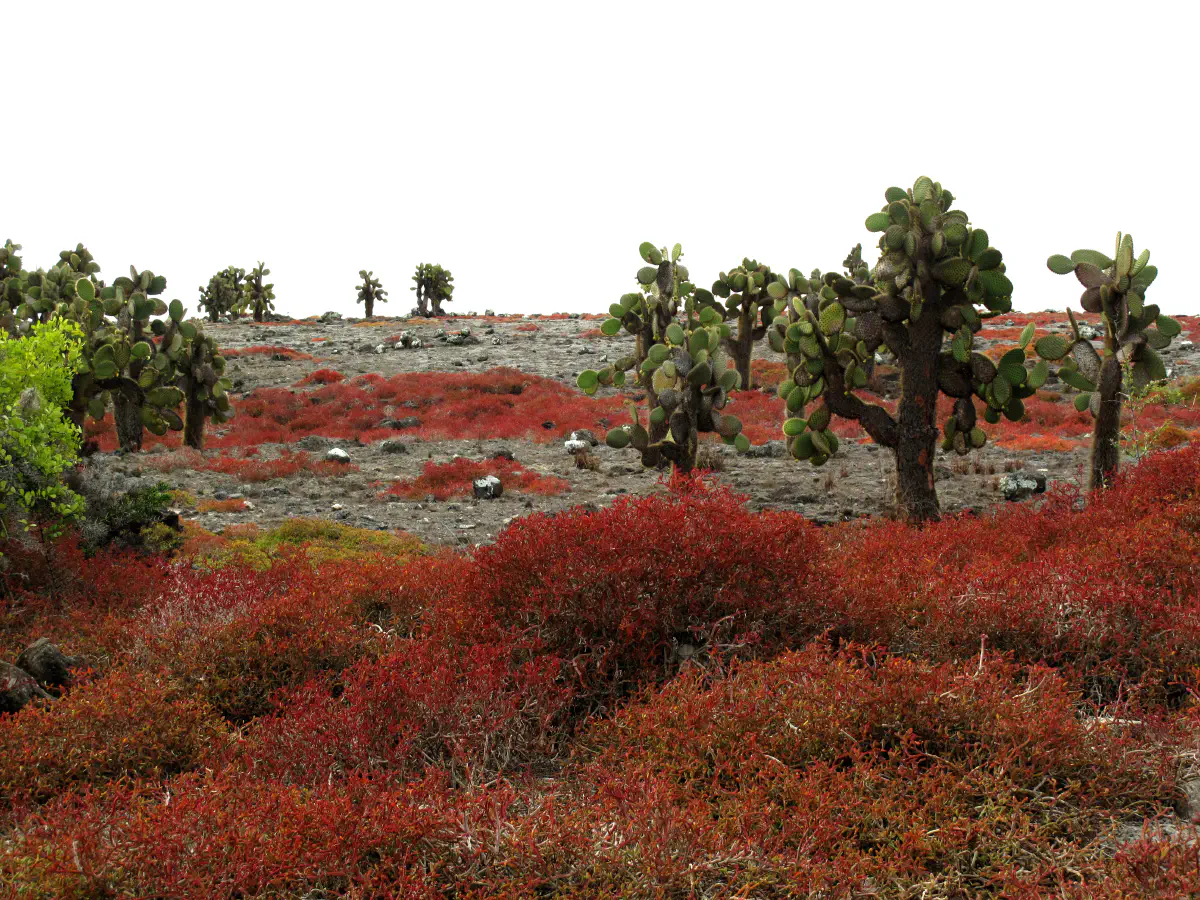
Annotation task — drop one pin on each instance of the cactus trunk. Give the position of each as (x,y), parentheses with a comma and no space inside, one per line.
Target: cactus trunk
(1106,435)
(742,348)
(370,307)
(658,431)
(196,412)
(916,495)
(127,414)
(258,312)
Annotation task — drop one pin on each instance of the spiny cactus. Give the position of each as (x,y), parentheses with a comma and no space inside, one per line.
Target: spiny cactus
(934,270)
(259,297)
(1134,332)
(433,285)
(744,290)
(223,294)
(684,362)
(129,357)
(646,314)
(369,291)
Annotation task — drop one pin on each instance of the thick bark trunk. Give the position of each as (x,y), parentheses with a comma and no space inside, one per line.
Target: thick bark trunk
(128,416)
(258,312)
(916,494)
(193,425)
(370,307)
(1106,435)
(743,349)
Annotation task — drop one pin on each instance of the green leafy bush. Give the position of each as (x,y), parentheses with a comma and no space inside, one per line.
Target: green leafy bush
(37,442)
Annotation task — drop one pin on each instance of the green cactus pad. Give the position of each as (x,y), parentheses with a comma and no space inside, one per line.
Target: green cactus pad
(1092,257)
(647,275)
(1169,327)
(1052,347)
(618,438)
(953,271)
(1076,380)
(610,327)
(1060,265)
(1012,367)
(588,381)
(650,254)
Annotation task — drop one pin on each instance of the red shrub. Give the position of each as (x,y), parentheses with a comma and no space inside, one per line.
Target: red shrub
(454,478)
(617,590)
(125,724)
(321,376)
(815,775)
(473,711)
(206,837)
(528,326)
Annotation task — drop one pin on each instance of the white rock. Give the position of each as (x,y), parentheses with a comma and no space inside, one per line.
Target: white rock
(337,454)
(487,488)
(574,447)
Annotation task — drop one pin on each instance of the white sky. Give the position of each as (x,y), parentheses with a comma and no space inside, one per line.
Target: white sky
(531,147)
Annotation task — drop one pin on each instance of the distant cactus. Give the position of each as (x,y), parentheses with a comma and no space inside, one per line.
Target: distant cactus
(434,285)
(684,364)
(744,290)
(259,297)
(934,270)
(369,291)
(1133,333)
(223,294)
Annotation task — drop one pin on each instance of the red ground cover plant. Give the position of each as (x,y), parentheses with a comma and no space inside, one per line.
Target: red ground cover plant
(265,350)
(527,326)
(454,479)
(499,403)
(285,465)
(671,697)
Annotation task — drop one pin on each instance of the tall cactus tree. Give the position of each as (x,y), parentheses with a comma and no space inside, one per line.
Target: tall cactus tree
(369,291)
(934,271)
(685,364)
(1134,332)
(223,294)
(138,303)
(259,297)
(434,285)
(744,290)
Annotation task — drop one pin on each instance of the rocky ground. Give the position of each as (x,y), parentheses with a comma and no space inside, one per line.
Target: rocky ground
(857,482)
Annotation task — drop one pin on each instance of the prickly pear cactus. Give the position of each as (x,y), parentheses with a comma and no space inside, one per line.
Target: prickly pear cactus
(923,305)
(434,285)
(259,297)
(1134,331)
(663,287)
(223,294)
(369,291)
(684,363)
(747,302)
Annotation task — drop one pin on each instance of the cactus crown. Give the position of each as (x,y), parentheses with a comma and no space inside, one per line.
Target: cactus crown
(1134,330)
(934,270)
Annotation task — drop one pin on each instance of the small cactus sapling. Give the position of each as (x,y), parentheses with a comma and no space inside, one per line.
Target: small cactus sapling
(369,291)
(687,369)
(223,294)
(744,290)
(1134,332)
(434,285)
(259,297)
(934,270)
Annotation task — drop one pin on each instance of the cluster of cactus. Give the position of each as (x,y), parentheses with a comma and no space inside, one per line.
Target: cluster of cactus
(934,270)
(744,290)
(259,298)
(1134,331)
(680,358)
(223,296)
(434,285)
(130,357)
(369,291)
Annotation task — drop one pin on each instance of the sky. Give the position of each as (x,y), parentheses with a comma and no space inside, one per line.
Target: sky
(531,147)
